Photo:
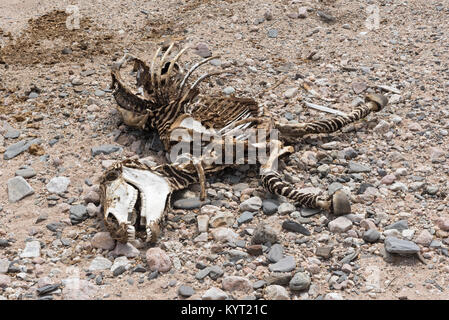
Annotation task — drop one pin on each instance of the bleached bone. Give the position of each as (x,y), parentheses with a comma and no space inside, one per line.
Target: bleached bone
(153,190)
(324,109)
(120,201)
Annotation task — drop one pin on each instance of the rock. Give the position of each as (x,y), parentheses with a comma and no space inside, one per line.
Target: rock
(371,235)
(270,206)
(340,225)
(26,173)
(203,50)
(58,185)
(355,167)
(92,196)
(276,292)
(443,223)
(223,234)
(276,253)
(324,251)
(215,272)
(300,281)
(93,210)
(236,283)
(293,226)
(245,217)
(424,238)
(125,249)
(290,93)
(18,188)
(264,234)
(255,249)
(286,264)
(105,149)
(158,260)
(308,212)
(302,12)
(214,294)
(19,147)
(272,33)
(236,254)
(120,265)
(186,291)
(286,208)
(103,240)
(78,213)
(100,263)
(32,250)
(188,204)
(395,245)
(358,87)
(222,219)
(251,205)
(408,234)
(399,225)
(228,90)
(388,179)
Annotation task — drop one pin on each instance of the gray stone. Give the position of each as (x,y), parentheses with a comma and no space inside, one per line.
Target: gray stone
(300,281)
(100,263)
(284,265)
(78,213)
(32,250)
(11,133)
(308,212)
(270,206)
(17,148)
(186,291)
(105,149)
(215,272)
(276,253)
(26,172)
(252,204)
(272,33)
(395,245)
(371,235)
(264,234)
(58,185)
(245,217)
(203,50)
(355,167)
(228,90)
(293,226)
(18,188)
(99,93)
(119,266)
(334,187)
(286,208)
(188,204)
(399,225)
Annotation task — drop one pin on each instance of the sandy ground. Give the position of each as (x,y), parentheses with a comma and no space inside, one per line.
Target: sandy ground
(409,52)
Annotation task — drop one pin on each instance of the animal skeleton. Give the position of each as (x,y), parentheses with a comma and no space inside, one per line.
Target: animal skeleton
(135,194)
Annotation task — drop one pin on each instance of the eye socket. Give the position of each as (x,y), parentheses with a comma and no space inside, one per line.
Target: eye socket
(111,176)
